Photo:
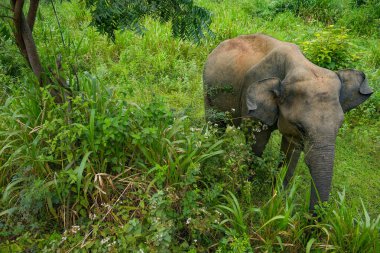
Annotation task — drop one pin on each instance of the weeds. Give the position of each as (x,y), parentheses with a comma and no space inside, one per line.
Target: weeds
(330,49)
(127,164)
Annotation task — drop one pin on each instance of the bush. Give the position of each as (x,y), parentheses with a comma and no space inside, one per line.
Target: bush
(363,20)
(330,49)
(325,11)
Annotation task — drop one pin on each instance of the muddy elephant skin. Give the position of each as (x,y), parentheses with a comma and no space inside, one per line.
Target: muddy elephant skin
(271,81)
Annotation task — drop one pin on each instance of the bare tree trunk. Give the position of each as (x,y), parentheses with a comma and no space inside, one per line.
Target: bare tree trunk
(24,37)
(23,32)
(32,13)
(17,11)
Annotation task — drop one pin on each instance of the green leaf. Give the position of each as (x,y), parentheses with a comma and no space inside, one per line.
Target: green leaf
(79,170)
(309,244)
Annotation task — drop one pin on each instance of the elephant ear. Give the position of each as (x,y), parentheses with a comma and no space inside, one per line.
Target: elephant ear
(261,100)
(355,89)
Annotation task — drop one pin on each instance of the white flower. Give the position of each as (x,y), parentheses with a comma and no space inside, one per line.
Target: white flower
(92,216)
(104,240)
(106,205)
(188,221)
(111,244)
(75,229)
(195,240)
(233,110)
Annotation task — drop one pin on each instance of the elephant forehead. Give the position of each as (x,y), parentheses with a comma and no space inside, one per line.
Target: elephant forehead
(317,88)
(310,99)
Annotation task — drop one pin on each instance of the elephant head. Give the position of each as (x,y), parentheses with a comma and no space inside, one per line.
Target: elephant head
(308,107)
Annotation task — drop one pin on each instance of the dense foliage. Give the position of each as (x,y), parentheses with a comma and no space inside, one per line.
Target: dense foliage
(188,20)
(127,163)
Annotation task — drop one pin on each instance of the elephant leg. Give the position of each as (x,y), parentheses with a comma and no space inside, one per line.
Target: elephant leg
(292,154)
(261,140)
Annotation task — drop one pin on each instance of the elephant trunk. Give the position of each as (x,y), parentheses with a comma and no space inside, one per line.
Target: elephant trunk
(319,157)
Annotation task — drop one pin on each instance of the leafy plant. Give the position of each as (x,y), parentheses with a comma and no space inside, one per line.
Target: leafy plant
(188,20)
(362,19)
(322,10)
(349,232)
(330,48)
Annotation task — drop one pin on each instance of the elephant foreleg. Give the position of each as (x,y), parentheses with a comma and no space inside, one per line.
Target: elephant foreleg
(292,154)
(261,140)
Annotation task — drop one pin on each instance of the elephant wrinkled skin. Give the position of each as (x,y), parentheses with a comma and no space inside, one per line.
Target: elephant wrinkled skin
(271,81)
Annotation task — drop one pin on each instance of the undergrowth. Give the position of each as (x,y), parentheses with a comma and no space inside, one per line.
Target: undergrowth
(128,164)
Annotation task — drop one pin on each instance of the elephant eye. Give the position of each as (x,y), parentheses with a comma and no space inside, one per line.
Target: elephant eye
(300,128)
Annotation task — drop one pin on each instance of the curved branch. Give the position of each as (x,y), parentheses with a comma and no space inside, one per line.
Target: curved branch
(17,14)
(24,39)
(31,49)
(32,13)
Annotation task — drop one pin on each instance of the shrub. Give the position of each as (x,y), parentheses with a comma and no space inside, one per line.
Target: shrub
(330,48)
(322,10)
(348,231)
(80,154)
(362,20)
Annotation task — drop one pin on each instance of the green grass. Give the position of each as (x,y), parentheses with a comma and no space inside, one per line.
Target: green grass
(132,161)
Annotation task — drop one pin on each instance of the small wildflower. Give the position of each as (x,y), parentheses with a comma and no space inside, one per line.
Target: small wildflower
(104,240)
(74,229)
(233,110)
(188,221)
(92,216)
(106,205)
(195,240)
(111,244)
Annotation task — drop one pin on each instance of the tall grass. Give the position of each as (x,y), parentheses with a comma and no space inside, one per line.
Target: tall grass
(127,163)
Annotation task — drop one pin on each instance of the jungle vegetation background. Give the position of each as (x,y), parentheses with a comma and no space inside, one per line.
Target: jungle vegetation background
(124,160)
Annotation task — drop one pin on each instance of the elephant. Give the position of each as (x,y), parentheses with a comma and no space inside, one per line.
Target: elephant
(270,81)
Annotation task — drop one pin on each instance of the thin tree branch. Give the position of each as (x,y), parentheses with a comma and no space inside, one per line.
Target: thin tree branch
(24,39)
(32,13)
(17,14)
(31,49)
(59,24)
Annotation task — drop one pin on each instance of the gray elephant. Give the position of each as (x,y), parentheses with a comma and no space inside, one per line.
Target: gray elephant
(271,81)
